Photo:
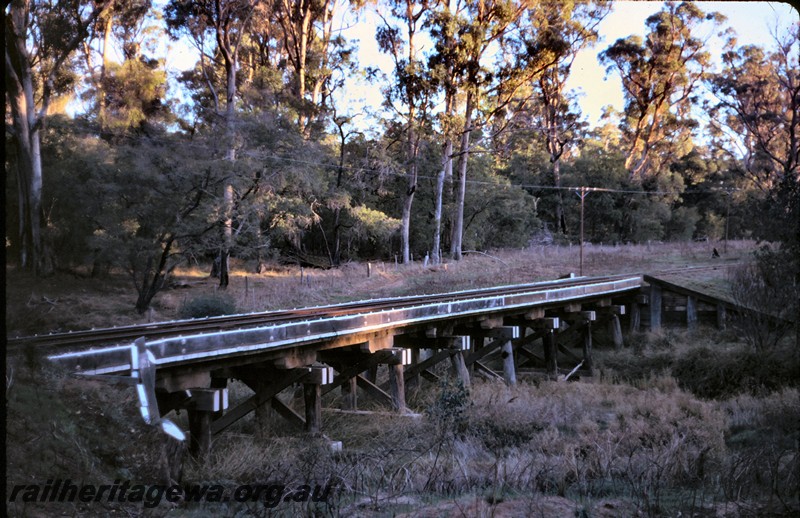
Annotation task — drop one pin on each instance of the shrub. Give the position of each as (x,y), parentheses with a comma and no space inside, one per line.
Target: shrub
(207,306)
(449,409)
(767,293)
(708,374)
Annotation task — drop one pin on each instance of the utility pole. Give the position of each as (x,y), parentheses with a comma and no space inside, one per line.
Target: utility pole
(582,193)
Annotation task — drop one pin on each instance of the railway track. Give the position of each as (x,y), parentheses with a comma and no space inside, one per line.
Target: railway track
(77,340)
(693,269)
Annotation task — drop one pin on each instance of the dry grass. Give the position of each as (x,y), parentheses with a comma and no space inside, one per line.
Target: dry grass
(72,302)
(601,449)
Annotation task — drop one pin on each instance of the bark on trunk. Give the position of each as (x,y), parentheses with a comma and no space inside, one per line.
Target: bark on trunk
(29,170)
(230,116)
(561,223)
(412,187)
(27,120)
(458,220)
(446,170)
(153,280)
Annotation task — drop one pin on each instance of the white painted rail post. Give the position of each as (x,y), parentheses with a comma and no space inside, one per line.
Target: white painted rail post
(397,387)
(614,326)
(312,396)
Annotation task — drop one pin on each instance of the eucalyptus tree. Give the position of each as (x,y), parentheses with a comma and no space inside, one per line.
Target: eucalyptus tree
(129,25)
(758,105)
(490,62)
(153,224)
(305,32)
(442,25)
(565,28)
(40,39)
(410,89)
(470,28)
(340,198)
(758,109)
(660,79)
(225,23)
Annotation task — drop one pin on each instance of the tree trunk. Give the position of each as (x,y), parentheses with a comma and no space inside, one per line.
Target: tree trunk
(304,21)
(227,238)
(152,281)
(230,116)
(101,93)
(446,170)
(406,220)
(458,220)
(561,222)
(412,187)
(27,122)
(412,144)
(29,169)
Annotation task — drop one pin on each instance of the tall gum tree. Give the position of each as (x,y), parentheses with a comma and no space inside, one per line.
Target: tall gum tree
(40,38)
(225,22)
(478,25)
(758,108)
(566,28)
(491,63)
(443,76)
(126,25)
(660,77)
(307,37)
(758,95)
(411,89)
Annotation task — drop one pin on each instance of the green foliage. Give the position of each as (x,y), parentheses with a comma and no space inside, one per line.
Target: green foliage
(604,214)
(127,185)
(208,306)
(659,75)
(134,94)
(496,214)
(766,293)
(449,410)
(373,225)
(74,168)
(682,224)
(711,375)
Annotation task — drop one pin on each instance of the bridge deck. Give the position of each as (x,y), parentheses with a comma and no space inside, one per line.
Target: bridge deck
(409,313)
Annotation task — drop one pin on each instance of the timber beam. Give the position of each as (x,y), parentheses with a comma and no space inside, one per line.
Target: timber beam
(415,341)
(486,371)
(264,393)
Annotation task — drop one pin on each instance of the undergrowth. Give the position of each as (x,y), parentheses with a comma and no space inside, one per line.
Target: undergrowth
(646,446)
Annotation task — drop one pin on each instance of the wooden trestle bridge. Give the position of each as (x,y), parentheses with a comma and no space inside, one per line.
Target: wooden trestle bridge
(493,332)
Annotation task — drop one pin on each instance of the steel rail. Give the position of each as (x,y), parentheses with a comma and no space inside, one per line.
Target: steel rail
(396,313)
(126,334)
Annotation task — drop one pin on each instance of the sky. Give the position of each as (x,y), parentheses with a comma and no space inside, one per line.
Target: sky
(752,21)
